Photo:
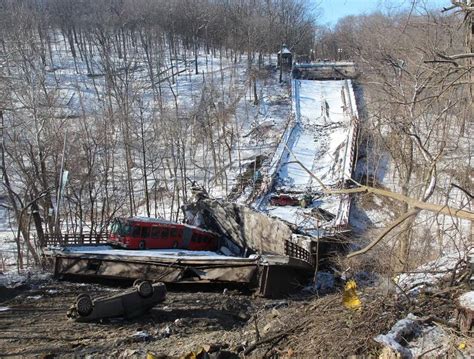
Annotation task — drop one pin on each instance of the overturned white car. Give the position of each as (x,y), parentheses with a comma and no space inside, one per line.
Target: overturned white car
(130,303)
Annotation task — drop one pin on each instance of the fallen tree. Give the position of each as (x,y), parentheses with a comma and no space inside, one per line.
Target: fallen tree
(417,205)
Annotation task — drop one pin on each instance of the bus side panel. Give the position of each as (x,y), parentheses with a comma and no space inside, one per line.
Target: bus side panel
(187,235)
(214,242)
(154,241)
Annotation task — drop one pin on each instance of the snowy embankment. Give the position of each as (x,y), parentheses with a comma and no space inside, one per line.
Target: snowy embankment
(322,138)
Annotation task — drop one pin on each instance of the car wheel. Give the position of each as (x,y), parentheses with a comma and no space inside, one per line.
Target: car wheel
(145,289)
(84,305)
(141,245)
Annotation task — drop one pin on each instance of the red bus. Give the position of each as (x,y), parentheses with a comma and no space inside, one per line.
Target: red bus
(151,233)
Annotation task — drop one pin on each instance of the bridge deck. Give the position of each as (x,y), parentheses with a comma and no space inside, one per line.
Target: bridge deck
(322,137)
(272,275)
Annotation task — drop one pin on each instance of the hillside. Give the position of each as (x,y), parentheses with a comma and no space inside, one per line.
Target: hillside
(324,174)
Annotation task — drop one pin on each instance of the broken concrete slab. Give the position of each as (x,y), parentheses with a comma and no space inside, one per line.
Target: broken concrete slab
(255,250)
(244,230)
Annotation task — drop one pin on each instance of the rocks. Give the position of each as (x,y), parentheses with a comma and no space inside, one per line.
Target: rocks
(142,335)
(188,320)
(276,304)
(243,315)
(211,351)
(402,329)
(165,332)
(179,322)
(215,347)
(267,327)
(131,353)
(408,338)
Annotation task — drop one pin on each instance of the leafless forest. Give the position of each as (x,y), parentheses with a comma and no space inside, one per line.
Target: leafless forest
(94,88)
(124,108)
(104,74)
(417,76)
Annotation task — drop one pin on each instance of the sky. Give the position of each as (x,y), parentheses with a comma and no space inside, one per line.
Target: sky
(333,10)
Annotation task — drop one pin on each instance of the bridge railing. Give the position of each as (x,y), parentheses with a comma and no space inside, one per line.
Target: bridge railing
(75,239)
(295,251)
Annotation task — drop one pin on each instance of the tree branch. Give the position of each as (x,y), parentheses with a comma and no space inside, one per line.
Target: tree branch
(436,208)
(386,231)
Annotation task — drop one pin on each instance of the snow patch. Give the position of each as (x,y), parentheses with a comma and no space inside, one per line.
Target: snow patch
(410,339)
(467,300)
(429,274)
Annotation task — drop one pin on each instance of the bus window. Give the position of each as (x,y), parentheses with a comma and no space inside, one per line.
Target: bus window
(165,233)
(136,231)
(145,232)
(119,227)
(174,232)
(155,232)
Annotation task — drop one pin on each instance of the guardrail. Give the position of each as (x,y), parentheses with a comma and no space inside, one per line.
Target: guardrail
(342,218)
(295,251)
(75,239)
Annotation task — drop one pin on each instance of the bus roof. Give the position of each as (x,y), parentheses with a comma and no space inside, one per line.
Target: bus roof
(164,221)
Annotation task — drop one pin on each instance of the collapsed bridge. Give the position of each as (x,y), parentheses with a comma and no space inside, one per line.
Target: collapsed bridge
(320,139)
(268,247)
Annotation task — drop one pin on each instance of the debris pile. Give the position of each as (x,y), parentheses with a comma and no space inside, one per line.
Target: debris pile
(440,315)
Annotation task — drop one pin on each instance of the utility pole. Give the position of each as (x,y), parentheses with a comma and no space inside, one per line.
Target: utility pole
(280,58)
(59,194)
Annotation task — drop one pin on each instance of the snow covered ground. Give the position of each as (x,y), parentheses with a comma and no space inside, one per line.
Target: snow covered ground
(430,274)
(192,104)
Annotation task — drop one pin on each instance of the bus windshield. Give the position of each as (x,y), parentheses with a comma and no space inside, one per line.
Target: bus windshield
(120,227)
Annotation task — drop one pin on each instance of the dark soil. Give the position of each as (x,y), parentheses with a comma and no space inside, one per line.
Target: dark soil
(33,323)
